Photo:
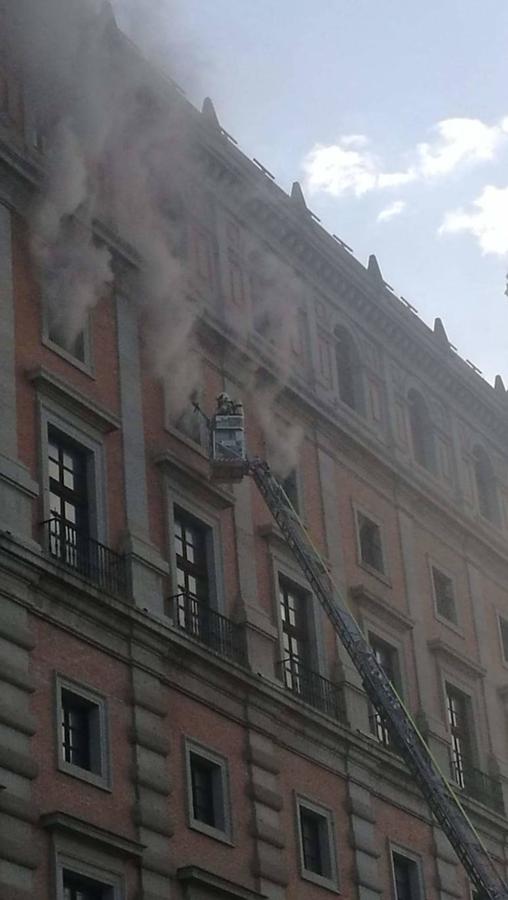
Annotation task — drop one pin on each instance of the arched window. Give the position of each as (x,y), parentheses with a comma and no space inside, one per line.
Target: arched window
(348,370)
(485,485)
(422,436)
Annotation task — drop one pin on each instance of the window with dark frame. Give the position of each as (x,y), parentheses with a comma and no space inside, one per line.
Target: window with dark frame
(68,499)
(192,571)
(444,594)
(311,825)
(369,537)
(75,347)
(295,634)
(422,436)
(208,793)
(485,485)
(290,485)
(457,708)
(347,368)
(503,628)
(406,877)
(317,844)
(78,887)
(387,657)
(203,774)
(80,735)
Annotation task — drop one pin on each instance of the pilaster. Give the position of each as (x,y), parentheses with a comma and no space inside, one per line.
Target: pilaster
(18,855)
(17,488)
(363,838)
(269,864)
(147,568)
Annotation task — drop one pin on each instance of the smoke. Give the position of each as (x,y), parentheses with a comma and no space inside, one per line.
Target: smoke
(118,146)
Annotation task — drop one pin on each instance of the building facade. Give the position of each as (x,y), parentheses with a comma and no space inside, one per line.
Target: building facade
(177,719)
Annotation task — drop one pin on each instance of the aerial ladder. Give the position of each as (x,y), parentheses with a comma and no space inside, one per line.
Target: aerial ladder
(229,463)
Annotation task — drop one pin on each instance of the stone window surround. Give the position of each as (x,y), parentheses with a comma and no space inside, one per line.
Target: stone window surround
(288,570)
(209,516)
(87,365)
(414,858)
(393,638)
(330,883)
(384,576)
(103,779)
(451,678)
(52,415)
(433,563)
(224,835)
(171,426)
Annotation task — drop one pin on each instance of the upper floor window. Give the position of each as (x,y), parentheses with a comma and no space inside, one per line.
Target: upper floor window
(406,876)
(370,545)
(295,633)
(386,656)
(82,733)
(290,485)
(208,792)
(59,336)
(459,723)
(68,499)
(485,485)
(444,595)
(76,887)
(317,844)
(420,426)
(349,377)
(503,630)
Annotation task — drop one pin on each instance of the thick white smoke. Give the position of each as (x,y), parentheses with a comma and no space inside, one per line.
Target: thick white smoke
(118,146)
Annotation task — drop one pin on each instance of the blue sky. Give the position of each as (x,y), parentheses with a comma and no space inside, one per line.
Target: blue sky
(394,118)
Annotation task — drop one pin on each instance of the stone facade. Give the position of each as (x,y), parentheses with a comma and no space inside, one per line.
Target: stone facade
(395,433)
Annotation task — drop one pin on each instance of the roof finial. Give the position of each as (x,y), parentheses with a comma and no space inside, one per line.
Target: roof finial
(297,195)
(208,112)
(440,333)
(374,270)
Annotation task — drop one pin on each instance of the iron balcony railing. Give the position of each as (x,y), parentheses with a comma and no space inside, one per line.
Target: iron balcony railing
(312,688)
(479,785)
(89,558)
(209,627)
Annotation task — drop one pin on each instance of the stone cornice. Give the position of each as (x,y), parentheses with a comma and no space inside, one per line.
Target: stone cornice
(395,617)
(86,831)
(445,651)
(50,385)
(170,462)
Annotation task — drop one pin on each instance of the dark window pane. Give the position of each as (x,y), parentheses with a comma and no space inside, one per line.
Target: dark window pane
(503,623)
(203,773)
(313,828)
(404,872)
(77,887)
(386,656)
(76,730)
(445,601)
(371,550)
(458,722)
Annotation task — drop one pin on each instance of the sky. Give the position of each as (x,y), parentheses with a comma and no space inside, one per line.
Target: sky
(392,116)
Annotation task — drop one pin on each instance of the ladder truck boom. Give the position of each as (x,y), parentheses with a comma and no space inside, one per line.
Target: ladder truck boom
(230,463)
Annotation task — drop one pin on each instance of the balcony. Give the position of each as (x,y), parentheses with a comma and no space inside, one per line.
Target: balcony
(483,787)
(209,627)
(88,558)
(312,688)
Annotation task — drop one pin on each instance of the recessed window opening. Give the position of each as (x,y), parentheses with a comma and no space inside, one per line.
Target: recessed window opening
(192,571)
(348,369)
(386,656)
(406,877)
(421,431)
(503,628)
(295,634)
(444,594)
(458,723)
(68,500)
(485,485)
(369,536)
(77,887)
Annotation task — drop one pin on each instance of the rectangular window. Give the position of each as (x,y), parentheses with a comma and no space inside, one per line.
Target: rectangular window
(503,629)
(77,887)
(208,792)
(74,347)
(68,501)
(369,538)
(295,635)
(317,844)
(192,571)
(290,485)
(82,734)
(406,876)
(444,595)
(387,657)
(457,708)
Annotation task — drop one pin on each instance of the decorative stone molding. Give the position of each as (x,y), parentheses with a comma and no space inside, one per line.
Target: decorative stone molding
(445,651)
(68,397)
(198,884)
(269,864)
(395,617)
(363,841)
(87,832)
(448,883)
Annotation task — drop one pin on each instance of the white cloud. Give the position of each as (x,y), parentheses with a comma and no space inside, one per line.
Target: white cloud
(389,212)
(487,221)
(348,166)
(460,141)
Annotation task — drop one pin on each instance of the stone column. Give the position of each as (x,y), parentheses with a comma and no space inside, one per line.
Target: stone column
(18,853)
(152,784)
(269,864)
(363,835)
(147,568)
(17,489)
